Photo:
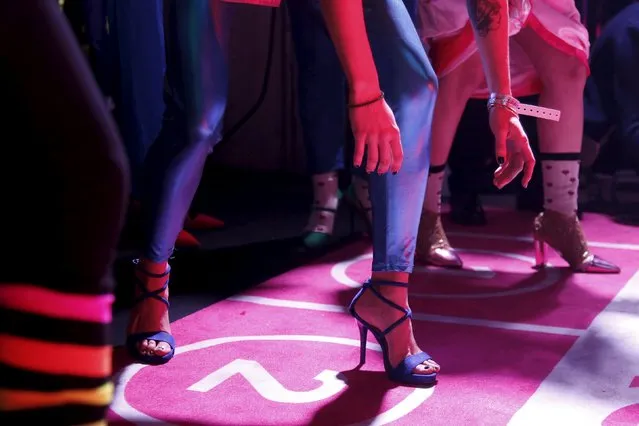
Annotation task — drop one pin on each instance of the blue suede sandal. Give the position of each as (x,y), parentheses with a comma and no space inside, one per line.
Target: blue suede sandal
(133,340)
(402,373)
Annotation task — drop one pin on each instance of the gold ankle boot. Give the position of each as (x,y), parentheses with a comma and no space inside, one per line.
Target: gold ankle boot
(433,247)
(564,234)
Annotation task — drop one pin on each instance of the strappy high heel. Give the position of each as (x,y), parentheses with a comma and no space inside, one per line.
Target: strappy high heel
(402,373)
(133,340)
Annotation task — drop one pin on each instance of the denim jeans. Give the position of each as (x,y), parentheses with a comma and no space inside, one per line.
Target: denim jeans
(410,85)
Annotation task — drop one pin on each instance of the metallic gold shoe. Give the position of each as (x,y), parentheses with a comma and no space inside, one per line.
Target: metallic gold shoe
(564,234)
(433,247)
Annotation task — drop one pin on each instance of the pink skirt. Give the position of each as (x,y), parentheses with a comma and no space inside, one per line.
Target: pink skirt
(446,30)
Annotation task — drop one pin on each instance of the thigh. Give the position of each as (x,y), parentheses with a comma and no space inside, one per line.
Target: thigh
(552,65)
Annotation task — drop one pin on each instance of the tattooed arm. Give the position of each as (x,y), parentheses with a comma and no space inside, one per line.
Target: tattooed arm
(490,22)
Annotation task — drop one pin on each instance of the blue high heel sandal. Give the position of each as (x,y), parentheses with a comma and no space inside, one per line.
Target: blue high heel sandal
(402,373)
(133,340)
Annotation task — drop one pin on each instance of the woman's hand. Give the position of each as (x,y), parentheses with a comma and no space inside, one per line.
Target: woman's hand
(512,148)
(373,123)
(377,134)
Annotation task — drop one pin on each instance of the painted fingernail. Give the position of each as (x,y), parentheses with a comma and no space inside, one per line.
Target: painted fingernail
(500,160)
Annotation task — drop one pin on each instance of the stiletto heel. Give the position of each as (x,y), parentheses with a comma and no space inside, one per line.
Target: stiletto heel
(363,339)
(540,253)
(564,234)
(403,372)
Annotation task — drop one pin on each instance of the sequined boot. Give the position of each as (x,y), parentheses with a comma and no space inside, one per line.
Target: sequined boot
(564,234)
(433,247)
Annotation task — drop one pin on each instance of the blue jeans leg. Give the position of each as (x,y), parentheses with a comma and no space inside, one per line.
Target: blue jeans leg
(410,85)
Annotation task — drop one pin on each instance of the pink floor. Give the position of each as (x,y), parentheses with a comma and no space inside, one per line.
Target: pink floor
(516,346)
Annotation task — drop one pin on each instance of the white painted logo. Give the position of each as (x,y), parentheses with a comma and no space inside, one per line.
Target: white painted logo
(268,386)
(548,278)
(264,383)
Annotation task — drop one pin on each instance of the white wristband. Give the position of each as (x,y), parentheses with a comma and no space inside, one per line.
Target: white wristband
(539,112)
(509,102)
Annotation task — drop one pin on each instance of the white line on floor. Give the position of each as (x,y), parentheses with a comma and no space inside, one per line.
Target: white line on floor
(593,380)
(294,304)
(616,246)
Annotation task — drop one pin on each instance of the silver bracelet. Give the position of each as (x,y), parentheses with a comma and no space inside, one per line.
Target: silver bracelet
(517,108)
(504,101)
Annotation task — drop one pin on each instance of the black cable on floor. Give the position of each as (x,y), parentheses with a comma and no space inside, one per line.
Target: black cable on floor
(267,74)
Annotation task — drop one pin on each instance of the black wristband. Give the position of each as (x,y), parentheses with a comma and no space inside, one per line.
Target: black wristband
(372,101)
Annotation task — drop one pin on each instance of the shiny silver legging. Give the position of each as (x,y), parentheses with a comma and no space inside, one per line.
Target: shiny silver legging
(197,72)
(410,85)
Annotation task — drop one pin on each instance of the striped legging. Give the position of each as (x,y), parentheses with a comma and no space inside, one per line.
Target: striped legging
(63,185)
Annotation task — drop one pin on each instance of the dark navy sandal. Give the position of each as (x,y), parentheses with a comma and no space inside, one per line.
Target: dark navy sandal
(402,373)
(133,340)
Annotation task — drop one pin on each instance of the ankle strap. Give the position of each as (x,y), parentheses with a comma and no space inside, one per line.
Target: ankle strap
(371,282)
(139,267)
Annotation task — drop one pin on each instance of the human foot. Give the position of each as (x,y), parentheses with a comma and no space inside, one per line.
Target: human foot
(149,327)
(381,315)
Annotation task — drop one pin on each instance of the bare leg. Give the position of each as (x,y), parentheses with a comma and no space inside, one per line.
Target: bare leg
(563,78)
(454,91)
